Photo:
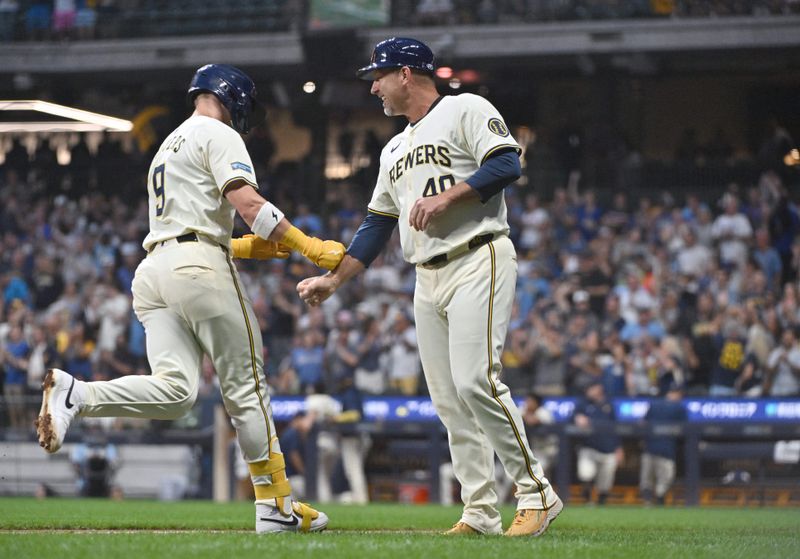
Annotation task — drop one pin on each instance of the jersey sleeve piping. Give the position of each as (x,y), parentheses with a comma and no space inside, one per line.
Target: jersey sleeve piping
(230,181)
(515,147)
(386,214)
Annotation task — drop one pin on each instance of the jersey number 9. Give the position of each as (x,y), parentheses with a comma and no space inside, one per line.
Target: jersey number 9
(158,188)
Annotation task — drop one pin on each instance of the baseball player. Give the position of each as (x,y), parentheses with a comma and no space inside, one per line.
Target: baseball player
(601,452)
(189,297)
(442,179)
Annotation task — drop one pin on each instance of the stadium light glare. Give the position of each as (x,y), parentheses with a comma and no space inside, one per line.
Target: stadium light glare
(469,76)
(84,121)
(445,72)
(309,87)
(50,127)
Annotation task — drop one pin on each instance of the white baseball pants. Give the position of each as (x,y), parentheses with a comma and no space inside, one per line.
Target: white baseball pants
(462,312)
(190,300)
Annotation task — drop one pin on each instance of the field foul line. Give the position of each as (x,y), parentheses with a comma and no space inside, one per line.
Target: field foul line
(113,531)
(21,531)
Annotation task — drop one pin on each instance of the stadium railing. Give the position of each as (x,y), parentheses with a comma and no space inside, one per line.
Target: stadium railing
(765,430)
(716,429)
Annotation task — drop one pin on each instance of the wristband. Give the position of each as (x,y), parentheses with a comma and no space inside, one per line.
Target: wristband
(266,220)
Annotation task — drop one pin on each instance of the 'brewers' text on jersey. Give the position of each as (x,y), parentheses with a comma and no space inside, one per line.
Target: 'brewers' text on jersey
(443,148)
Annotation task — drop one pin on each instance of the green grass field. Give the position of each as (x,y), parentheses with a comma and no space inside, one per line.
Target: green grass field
(77,528)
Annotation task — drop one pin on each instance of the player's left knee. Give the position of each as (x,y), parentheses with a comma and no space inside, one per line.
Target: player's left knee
(182,400)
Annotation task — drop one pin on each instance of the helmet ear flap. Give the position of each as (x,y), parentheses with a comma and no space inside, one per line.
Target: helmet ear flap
(247,112)
(239,122)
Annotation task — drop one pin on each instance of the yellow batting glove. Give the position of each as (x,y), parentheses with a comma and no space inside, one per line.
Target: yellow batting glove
(253,246)
(325,254)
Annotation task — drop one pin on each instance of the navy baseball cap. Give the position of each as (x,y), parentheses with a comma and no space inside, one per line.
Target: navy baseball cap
(396,53)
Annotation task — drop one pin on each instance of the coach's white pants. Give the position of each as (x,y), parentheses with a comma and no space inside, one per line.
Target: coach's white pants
(656,474)
(190,300)
(462,312)
(597,466)
(351,450)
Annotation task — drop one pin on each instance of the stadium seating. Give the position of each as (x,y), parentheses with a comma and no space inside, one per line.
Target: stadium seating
(187,17)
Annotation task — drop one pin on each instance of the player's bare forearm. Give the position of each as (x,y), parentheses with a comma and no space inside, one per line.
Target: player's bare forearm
(245,199)
(427,208)
(248,204)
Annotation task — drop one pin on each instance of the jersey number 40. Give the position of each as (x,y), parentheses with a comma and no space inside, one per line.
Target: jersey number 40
(444,182)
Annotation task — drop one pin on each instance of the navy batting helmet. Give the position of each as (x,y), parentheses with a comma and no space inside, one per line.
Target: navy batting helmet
(396,53)
(235,90)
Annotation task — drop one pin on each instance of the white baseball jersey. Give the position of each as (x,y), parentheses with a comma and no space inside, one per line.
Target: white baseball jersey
(442,149)
(462,309)
(189,297)
(188,178)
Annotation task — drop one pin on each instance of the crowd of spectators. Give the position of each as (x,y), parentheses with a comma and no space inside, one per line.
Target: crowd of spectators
(467,12)
(90,19)
(636,292)
(695,293)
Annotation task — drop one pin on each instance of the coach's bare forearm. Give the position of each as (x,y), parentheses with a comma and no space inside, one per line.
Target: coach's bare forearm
(347,268)
(317,289)
(460,191)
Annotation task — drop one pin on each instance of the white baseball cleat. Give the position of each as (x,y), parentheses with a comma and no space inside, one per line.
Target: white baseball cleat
(62,399)
(303,518)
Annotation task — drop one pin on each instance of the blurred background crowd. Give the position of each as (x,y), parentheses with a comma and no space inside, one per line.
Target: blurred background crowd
(656,224)
(638,289)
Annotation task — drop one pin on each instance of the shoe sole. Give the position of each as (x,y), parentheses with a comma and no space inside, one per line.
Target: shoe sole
(310,530)
(44,423)
(552,513)
(314,529)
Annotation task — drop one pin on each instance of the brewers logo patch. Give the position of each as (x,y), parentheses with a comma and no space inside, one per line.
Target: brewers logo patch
(498,127)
